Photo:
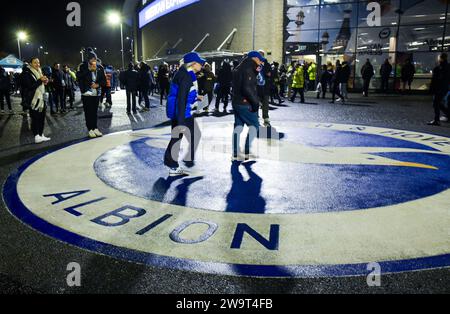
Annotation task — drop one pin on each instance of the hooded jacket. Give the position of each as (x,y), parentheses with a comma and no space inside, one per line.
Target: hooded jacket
(84,77)
(182,96)
(244,85)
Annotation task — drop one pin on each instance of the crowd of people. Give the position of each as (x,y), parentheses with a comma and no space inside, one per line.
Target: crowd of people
(53,88)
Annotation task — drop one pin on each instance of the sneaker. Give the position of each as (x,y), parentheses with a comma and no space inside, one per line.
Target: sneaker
(45,139)
(38,139)
(444,119)
(98,133)
(92,134)
(434,123)
(267,123)
(339,100)
(175,172)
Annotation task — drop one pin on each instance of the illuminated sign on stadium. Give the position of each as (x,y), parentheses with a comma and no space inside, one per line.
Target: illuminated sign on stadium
(160,8)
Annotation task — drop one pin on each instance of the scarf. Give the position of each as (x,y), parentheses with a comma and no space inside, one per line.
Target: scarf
(37,103)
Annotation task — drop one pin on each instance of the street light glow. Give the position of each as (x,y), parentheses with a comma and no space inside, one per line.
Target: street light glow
(114,18)
(22,35)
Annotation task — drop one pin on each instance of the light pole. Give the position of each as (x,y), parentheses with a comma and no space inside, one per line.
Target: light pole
(21,36)
(253,24)
(132,48)
(114,18)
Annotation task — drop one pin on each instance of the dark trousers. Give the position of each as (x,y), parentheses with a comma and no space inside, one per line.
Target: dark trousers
(336,91)
(324,89)
(37,122)
(60,98)
(302,94)
(164,88)
(438,105)
(210,95)
(263,95)
(282,89)
(106,92)
(5,96)
(131,100)
(71,94)
(173,150)
(223,95)
(275,94)
(143,95)
(90,106)
(384,84)
(244,117)
(366,86)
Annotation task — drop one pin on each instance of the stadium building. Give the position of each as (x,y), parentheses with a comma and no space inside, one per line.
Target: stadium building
(314,30)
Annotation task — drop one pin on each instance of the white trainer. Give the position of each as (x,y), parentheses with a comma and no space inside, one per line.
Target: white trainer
(38,139)
(45,138)
(98,133)
(175,172)
(92,134)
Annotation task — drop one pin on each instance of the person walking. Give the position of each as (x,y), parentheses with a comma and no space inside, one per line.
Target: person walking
(5,91)
(107,90)
(33,84)
(312,75)
(224,78)
(298,83)
(367,73)
(283,80)
(246,103)
(407,74)
(439,88)
(385,73)
(130,80)
(144,84)
(206,83)
(59,84)
(325,80)
(91,78)
(163,81)
(335,82)
(182,97)
(343,80)
(69,89)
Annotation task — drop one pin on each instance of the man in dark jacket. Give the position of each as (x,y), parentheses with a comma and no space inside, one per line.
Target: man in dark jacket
(246,102)
(163,80)
(145,78)
(385,73)
(91,78)
(440,87)
(182,97)
(5,89)
(407,74)
(129,79)
(224,78)
(264,80)
(69,90)
(335,82)
(59,84)
(206,80)
(367,72)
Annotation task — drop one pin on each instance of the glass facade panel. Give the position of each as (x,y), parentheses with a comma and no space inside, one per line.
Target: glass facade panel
(303,18)
(389,13)
(338,15)
(338,29)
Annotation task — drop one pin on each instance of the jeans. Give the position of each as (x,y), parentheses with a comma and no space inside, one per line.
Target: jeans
(131,100)
(243,116)
(343,88)
(438,105)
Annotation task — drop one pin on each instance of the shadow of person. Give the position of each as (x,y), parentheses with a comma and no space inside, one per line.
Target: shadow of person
(162,186)
(245,196)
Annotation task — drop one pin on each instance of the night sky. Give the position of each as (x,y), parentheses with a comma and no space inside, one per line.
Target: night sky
(45,23)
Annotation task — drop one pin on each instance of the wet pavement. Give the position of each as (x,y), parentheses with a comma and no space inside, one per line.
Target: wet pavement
(33,262)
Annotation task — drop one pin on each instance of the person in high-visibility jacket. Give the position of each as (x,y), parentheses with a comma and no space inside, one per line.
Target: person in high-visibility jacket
(312,74)
(298,83)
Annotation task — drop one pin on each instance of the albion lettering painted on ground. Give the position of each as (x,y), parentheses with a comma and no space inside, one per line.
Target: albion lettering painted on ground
(325,200)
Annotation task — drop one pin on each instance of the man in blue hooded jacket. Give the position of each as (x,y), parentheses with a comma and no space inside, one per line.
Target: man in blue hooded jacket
(182,97)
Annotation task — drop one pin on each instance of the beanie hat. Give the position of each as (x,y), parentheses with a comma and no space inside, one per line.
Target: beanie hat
(90,54)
